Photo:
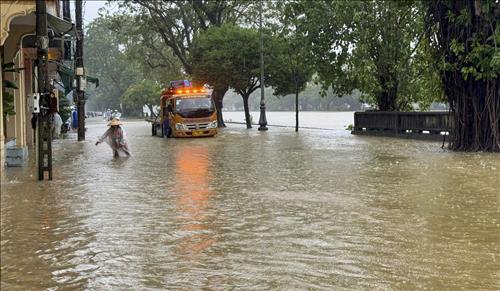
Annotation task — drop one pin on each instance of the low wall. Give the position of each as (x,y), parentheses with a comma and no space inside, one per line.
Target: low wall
(425,125)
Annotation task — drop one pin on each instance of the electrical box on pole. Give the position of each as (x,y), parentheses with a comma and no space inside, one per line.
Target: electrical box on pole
(35,103)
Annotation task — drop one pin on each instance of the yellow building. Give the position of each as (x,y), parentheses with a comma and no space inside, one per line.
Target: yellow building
(18,26)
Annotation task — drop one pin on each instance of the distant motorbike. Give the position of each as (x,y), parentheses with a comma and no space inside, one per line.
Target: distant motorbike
(115,114)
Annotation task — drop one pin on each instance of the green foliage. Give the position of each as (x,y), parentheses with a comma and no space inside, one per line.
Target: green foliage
(475,50)
(122,55)
(175,23)
(64,108)
(145,47)
(9,85)
(373,46)
(463,36)
(289,69)
(230,56)
(227,55)
(376,47)
(310,99)
(104,59)
(145,92)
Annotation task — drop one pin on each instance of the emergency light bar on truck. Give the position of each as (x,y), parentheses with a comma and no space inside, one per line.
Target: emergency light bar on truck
(185,111)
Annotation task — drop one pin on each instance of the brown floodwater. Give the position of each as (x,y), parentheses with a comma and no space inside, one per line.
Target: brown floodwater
(254,210)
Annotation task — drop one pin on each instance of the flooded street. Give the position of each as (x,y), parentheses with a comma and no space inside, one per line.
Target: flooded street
(253,210)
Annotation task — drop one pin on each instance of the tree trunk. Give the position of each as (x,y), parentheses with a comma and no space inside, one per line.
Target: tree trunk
(247,111)
(218,96)
(386,99)
(474,99)
(476,110)
(150,107)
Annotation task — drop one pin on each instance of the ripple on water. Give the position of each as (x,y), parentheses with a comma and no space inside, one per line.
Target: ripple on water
(246,210)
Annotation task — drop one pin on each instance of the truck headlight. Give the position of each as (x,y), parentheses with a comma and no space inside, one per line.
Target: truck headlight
(212,124)
(180,126)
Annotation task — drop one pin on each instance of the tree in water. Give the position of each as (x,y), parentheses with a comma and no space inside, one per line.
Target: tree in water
(104,59)
(177,22)
(229,55)
(142,93)
(465,36)
(372,46)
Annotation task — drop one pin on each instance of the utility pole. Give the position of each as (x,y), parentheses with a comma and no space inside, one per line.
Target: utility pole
(80,72)
(262,119)
(67,17)
(44,120)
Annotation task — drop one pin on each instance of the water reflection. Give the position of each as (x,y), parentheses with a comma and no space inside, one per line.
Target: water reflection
(249,210)
(43,238)
(192,174)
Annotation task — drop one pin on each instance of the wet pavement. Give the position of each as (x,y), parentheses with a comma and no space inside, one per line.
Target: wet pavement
(253,210)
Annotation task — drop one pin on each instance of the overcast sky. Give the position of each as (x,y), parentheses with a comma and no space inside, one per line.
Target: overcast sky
(90,9)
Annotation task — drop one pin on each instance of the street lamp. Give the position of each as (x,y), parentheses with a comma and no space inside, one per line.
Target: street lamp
(262,119)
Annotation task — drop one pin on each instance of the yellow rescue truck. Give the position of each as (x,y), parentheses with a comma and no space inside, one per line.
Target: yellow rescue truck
(185,111)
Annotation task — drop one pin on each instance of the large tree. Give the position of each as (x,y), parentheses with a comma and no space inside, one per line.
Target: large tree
(373,46)
(177,22)
(106,60)
(230,55)
(120,54)
(145,92)
(145,47)
(466,37)
(291,69)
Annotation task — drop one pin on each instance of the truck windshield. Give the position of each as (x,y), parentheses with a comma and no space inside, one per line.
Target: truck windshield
(194,107)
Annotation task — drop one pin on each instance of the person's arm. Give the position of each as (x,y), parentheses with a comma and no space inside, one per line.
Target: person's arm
(101,139)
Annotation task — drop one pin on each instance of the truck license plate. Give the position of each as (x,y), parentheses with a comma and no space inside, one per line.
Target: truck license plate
(197,132)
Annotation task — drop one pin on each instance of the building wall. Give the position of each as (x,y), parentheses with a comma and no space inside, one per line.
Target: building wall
(16,124)
(28,57)
(11,9)
(20,103)
(10,38)
(2,142)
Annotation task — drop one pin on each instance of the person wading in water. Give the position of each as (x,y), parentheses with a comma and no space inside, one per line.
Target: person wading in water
(115,138)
